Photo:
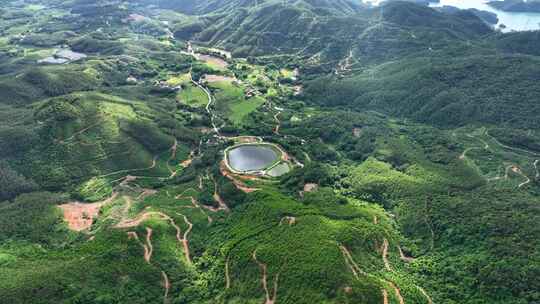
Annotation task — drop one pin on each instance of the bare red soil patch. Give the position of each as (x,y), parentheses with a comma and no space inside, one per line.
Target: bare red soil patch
(211,60)
(291,220)
(81,216)
(310,187)
(240,185)
(217,78)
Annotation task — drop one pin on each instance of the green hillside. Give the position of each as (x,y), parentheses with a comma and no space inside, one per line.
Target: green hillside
(401,161)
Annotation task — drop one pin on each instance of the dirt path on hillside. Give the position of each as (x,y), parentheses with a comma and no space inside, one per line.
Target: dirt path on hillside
(509,147)
(278,123)
(227,276)
(221,203)
(520,172)
(152,166)
(536,168)
(515,169)
(127,207)
(270,298)
(389,268)
(485,146)
(385,296)
(173,149)
(428,298)
(146,193)
(308,158)
(239,184)
(188,161)
(148,248)
(184,240)
(499,177)
(397,291)
(403,257)
(355,269)
(64,141)
(166,285)
(345,64)
(208,105)
(196,205)
(218,200)
(385,256)
(128,223)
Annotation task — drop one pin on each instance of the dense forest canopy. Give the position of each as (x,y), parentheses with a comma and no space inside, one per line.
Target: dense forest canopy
(406,142)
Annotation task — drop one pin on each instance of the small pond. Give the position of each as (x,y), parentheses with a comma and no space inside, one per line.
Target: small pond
(279,170)
(246,158)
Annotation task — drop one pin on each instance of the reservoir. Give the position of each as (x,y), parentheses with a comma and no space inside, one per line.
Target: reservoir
(246,158)
(513,21)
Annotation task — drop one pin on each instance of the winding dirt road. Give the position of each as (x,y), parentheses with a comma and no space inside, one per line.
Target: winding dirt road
(166,285)
(184,240)
(219,201)
(403,257)
(509,147)
(227,276)
(152,166)
(385,296)
(527,179)
(148,248)
(128,223)
(196,205)
(240,185)
(270,299)
(385,255)
(428,298)
(208,105)
(173,149)
(389,268)
(355,269)
(64,141)
(485,147)
(397,291)
(278,123)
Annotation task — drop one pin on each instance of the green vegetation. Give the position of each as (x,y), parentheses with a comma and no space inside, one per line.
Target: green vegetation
(193,96)
(412,136)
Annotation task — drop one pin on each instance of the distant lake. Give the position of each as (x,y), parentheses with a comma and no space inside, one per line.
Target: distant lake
(513,21)
(251,157)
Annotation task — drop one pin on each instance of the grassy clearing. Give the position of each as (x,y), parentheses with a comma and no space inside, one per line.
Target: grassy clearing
(182,79)
(241,109)
(193,96)
(231,101)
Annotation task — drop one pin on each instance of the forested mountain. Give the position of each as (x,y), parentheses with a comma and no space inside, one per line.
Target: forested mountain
(266,151)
